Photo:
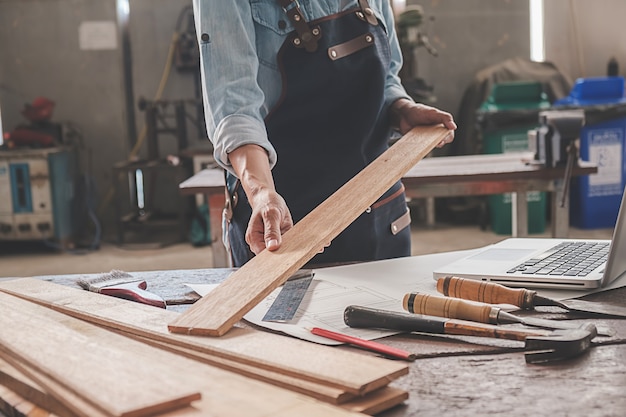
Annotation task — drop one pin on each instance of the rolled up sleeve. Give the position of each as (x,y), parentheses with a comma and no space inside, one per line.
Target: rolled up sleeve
(229,65)
(394,89)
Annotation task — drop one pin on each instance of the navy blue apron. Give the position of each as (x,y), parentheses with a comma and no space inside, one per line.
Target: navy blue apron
(329,123)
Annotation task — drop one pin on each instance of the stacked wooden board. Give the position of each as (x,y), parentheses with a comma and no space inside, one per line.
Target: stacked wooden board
(246,372)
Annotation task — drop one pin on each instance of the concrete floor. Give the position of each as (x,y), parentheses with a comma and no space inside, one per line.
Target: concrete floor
(20,259)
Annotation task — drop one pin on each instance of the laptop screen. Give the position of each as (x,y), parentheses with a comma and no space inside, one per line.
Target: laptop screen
(616,263)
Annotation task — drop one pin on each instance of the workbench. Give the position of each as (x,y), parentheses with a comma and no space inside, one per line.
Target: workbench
(469,376)
(446,176)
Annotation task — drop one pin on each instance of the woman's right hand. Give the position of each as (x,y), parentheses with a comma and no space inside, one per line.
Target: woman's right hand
(270,215)
(270,219)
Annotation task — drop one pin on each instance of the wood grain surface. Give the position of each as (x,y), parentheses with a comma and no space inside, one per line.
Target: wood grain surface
(485,292)
(100,369)
(348,371)
(95,372)
(217,312)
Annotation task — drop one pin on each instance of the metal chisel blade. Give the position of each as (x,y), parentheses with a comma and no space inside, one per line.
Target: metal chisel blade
(594,308)
(563,325)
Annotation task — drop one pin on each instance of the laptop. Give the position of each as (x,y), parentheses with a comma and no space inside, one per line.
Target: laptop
(547,262)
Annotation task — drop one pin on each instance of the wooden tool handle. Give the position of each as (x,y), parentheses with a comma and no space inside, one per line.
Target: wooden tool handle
(486,292)
(465,328)
(453,308)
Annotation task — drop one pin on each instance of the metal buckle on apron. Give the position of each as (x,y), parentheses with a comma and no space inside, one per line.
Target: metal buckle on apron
(307,37)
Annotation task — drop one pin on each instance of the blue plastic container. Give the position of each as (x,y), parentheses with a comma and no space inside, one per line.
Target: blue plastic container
(595,199)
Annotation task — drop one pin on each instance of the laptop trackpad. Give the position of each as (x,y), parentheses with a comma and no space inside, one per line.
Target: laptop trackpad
(502,255)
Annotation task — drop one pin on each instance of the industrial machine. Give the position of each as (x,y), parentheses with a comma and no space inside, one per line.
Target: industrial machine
(37,194)
(557,136)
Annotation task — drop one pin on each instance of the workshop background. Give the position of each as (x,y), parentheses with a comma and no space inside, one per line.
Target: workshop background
(121,82)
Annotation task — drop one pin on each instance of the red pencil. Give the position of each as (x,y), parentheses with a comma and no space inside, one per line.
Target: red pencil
(366,344)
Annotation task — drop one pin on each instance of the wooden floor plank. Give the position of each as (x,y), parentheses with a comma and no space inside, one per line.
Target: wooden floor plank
(349,371)
(218,311)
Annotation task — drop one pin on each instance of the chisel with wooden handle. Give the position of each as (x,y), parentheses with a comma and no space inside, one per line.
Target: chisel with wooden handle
(455,308)
(494,293)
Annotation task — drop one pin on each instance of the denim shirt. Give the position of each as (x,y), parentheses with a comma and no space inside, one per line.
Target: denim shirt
(239,42)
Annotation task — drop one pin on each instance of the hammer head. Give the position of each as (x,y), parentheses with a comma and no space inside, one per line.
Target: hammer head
(560,345)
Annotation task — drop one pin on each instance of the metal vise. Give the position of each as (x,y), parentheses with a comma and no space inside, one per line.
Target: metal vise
(557,135)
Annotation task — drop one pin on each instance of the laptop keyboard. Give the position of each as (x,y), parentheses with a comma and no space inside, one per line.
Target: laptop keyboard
(566,259)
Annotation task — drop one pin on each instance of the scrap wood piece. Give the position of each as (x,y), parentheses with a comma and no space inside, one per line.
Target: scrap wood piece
(350,371)
(217,312)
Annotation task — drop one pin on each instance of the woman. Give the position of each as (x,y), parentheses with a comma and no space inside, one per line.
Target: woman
(299,97)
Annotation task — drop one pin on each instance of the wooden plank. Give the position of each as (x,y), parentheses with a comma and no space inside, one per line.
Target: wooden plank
(371,403)
(217,312)
(377,401)
(350,371)
(27,388)
(223,393)
(8,401)
(23,407)
(315,390)
(129,380)
(63,400)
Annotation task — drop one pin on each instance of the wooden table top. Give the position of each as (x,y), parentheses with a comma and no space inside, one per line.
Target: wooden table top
(470,376)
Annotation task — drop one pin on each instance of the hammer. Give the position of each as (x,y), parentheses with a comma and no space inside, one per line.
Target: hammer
(541,346)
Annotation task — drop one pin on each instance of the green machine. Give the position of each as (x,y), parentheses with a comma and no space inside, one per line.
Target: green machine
(510,111)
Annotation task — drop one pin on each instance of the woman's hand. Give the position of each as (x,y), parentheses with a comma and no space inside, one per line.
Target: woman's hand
(270,219)
(270,215)
(406,115)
